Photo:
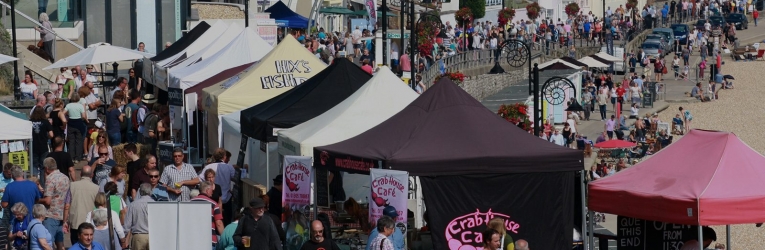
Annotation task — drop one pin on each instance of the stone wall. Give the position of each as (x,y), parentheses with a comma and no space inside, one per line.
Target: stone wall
(482,86)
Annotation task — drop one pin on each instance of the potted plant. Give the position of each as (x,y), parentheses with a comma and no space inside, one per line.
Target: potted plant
(532,10)
(572,9)
(456,77)
(505,16)
(631,4)
(516,114)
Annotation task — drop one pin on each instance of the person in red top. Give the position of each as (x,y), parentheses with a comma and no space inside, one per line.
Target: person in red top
(365,66)
(206,189)
(620,95)
(405,63)
(755,15)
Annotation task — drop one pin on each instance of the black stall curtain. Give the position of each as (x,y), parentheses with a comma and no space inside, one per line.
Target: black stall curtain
(536,207)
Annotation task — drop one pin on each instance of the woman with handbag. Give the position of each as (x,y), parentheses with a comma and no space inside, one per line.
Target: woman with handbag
(46,36)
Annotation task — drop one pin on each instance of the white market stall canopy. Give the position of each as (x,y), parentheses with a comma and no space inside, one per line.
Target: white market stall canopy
(557,60)
(592,63)
(286,66)
(211,49)
(5,59)
(608,57)
(14,128)
(247,47)
(99,53)
(376,101)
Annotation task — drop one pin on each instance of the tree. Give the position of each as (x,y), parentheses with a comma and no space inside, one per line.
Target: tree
(478,7)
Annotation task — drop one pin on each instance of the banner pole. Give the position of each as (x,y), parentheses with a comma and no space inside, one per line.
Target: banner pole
(584,206)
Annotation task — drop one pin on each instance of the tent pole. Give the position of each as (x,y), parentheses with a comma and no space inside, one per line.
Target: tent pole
(268,174)
(590,229)
(584,206)
(701,239)
(727,236)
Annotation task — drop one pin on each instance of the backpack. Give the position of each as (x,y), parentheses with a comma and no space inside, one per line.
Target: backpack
(134,119)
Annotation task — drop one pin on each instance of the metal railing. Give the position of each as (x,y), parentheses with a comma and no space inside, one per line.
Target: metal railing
(461,62)
(25,16)
(493,2)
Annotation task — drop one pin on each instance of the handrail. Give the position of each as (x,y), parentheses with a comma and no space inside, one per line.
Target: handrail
(41,26)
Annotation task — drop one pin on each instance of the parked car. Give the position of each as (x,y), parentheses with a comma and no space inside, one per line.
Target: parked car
(652,48)
(739,20)
(665,46)
(717,21)
(681,32)
(699,24)
(668,33)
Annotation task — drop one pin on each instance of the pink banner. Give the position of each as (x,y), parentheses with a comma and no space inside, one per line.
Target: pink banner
(297,181)
(389,188)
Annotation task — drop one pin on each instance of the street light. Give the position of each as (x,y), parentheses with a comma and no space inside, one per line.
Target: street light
(16,86)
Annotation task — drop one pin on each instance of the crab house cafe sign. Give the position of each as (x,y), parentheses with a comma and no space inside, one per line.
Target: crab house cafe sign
(289,73)
(388,188)
(466,232)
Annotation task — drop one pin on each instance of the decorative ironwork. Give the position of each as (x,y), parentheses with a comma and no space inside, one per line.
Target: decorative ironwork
(554,89)
(516,52)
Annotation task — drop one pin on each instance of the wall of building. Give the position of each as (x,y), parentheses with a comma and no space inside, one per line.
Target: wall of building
(482,86)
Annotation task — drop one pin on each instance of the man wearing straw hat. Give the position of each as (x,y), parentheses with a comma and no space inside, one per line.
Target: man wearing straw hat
(148,122)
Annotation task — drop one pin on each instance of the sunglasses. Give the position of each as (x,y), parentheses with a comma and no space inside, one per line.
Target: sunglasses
(154,176)
(131,72)
(103,154)
(177,156)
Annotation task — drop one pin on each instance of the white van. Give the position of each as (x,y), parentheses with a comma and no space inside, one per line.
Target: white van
(619,67)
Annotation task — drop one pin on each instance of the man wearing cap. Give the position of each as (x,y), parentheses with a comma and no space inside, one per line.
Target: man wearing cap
(260,229)
(275,195)
(397,238)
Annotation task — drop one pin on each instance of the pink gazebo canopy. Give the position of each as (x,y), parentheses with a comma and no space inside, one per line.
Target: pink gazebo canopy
(615,144)
(705,178)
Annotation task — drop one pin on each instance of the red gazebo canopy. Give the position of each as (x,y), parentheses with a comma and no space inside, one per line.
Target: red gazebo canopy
(615,144)
(705,178)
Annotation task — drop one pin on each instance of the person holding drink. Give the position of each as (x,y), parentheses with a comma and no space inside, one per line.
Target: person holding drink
(255,231)
(179,178)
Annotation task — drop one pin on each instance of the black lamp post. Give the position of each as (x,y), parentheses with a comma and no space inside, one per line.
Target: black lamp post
(16,86)
(412,45)
(384,12)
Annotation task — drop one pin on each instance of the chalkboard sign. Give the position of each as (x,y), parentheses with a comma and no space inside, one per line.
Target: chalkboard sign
(322,187)
(647,99)
(242,151)
(637,234)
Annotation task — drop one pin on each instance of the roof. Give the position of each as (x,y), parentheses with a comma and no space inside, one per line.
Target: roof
(245,48)
(287,65)
(445,131)
(182,43)
(310,99)
(280,12)
(705,178)
(384,93)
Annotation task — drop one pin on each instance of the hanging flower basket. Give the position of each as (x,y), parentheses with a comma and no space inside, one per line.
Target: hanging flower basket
(532,10)
(631,4)
(464,15)
(516,114)
(505,15)
(456,77)
(427,29)
(572,9)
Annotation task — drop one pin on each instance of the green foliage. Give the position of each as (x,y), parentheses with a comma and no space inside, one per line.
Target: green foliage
(478,7)
(6,69)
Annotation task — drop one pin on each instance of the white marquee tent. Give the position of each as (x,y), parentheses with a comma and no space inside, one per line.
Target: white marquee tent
(152,68)
(385,94)
(14,128)
(245,48)
(211,45)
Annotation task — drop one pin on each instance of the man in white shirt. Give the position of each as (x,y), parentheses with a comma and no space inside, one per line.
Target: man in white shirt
(557,138)
(356,36)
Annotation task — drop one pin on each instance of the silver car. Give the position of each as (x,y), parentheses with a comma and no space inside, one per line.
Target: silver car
(652,49)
